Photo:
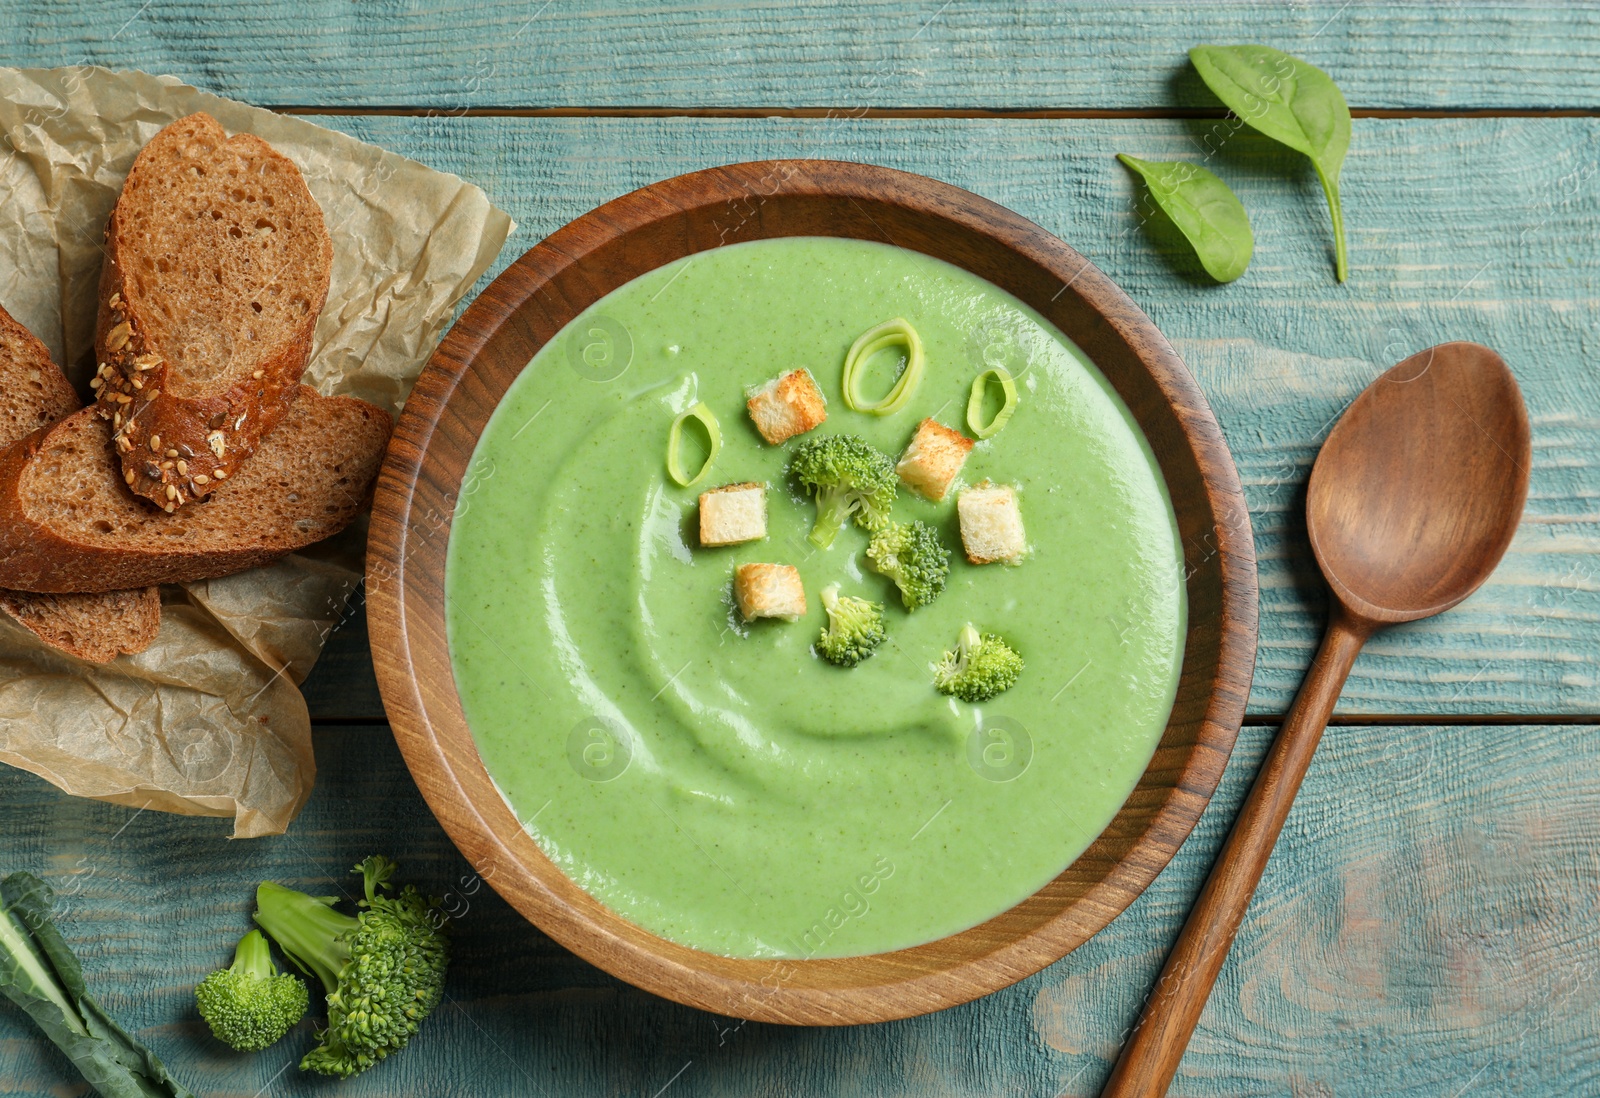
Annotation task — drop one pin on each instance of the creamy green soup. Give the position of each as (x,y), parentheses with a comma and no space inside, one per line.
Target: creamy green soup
(715,781)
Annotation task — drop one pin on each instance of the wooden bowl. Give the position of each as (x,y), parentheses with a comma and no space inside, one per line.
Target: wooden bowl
(532,301)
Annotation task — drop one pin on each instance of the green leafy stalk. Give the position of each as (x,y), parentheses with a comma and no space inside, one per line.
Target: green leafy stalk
(1294,103)
(41,975)
(1205,211)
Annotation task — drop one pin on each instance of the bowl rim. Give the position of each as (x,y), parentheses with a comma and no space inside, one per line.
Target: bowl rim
(412,509)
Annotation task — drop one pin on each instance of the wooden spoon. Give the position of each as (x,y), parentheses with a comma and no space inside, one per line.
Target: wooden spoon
(1412,502)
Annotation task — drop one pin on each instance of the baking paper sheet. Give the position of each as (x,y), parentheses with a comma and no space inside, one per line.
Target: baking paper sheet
(209,720)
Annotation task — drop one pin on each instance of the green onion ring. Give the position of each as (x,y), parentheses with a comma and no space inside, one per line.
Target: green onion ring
(675,437)
(870,343)
(980,388)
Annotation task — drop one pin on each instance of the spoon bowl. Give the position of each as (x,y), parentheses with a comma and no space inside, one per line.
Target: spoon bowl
(1417,491)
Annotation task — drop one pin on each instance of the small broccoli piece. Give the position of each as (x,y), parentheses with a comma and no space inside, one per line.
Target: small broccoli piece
(250,1004)
(383,969)
(848,477)
(855,628)
(910,554)
(981,667)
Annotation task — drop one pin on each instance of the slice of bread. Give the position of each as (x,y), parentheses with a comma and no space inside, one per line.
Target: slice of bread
(34,393)
(97,628)
(68,523)
(216,265)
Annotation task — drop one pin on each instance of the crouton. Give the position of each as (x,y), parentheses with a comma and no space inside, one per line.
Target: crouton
(787,406)
(733,513)
(769,591)
(933,459)
(991,523)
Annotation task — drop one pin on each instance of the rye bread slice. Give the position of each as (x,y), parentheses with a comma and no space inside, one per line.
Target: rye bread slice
(34,393)
(68,522)
(217,264)
(97,628)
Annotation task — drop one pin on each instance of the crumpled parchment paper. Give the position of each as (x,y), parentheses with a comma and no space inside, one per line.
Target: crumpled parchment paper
(209,719)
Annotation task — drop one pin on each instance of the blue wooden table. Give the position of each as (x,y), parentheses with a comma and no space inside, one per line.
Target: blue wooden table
(1427,925)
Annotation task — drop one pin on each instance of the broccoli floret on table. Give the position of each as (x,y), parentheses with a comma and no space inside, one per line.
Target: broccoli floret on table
(250,1004)
(849,478)
(383,969)
(980,667)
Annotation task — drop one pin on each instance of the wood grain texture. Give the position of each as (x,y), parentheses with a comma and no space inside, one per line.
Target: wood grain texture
(922,53)
(1425,927)
(1412,502)
(532,301)
(1460,229)
(1425,924)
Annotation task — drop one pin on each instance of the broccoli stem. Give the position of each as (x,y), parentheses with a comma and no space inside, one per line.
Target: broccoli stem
(308,930)
(968,641)
(253,957)
(833,511)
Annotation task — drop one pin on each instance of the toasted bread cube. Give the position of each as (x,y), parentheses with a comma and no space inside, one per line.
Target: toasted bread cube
(933,459)
(991,523)
(769,591)
(733,513)
(787,406)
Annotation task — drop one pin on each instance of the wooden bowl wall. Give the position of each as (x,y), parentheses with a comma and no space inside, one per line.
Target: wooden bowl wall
(532,301)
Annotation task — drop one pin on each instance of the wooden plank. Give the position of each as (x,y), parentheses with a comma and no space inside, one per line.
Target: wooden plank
(884,53)
(1425,928)
(1460,229)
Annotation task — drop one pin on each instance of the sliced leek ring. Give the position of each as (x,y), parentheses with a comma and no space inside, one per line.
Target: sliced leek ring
(980,389)
(708,420)
(887,334)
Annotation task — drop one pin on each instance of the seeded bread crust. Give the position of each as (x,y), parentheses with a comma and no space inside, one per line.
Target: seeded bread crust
(67,524)
(217,264)
(34,393)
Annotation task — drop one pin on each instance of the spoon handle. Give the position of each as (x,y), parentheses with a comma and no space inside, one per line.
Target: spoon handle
(1150,1058)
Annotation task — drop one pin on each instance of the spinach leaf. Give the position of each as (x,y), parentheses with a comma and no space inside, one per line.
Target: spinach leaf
(1292,102)
(1204,210)
(41,975)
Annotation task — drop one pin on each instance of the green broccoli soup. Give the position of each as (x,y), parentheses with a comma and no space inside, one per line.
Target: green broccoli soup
(714,779)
